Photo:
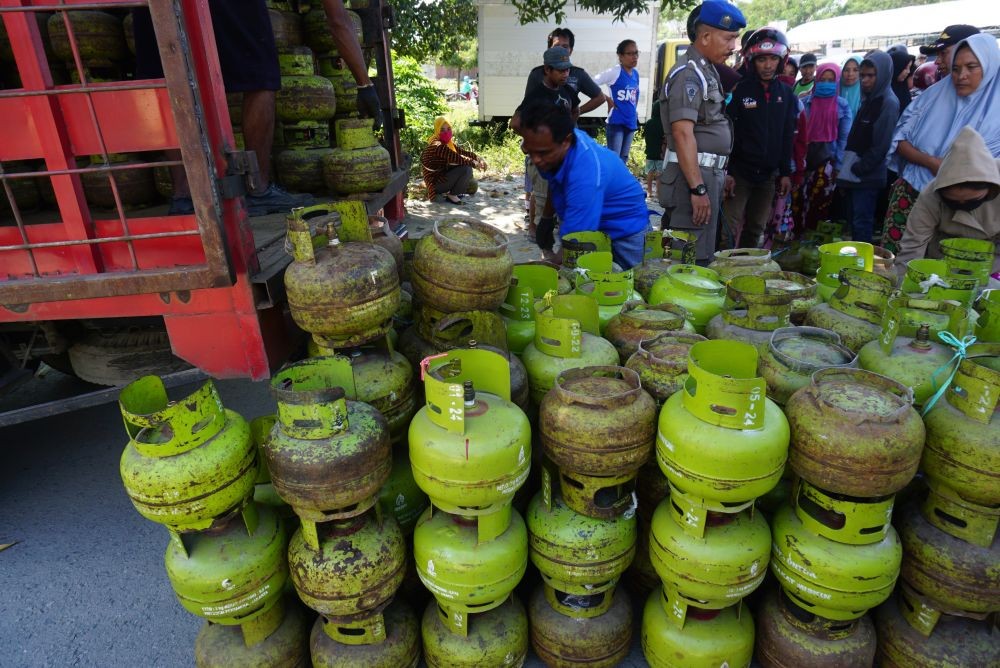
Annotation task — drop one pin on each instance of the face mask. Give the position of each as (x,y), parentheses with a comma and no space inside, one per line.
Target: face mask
(969,205)
(825,89)
(445,136)
(729,98)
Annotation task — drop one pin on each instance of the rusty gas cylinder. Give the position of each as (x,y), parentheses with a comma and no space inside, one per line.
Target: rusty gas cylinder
(961,457)
(135,186)
(286,27)
(662,363)
(598,426)
(399,649)
(498,637)
(855,309)
(637,322)
(352,576)
(794,353)
(328,456)
(790,637)
(954,576)
(801,288)
(287,646)
(752,311)
(568,642)
(301,169)
(462,266)
(345,293)
(741,261)
(304,95)
(854,432)
(99,37)
(359,163)
(955,641)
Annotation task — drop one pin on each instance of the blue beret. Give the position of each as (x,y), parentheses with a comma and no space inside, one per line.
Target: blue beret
(722,15)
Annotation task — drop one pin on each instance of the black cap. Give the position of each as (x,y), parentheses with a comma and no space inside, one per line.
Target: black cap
(807,59)
(950,36)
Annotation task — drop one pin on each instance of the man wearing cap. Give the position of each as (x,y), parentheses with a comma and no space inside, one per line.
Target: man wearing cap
(552,89)
(807,75)
(701,136)
(946,41)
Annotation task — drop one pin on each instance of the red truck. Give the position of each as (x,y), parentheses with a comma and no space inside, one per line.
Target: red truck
(118,287)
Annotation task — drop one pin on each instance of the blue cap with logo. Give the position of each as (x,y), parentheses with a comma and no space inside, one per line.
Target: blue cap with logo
(722,15)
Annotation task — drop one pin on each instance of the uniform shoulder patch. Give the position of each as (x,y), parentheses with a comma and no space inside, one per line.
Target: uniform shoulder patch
(691,87)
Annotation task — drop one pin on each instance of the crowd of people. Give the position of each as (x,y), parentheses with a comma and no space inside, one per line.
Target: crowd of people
(768,147)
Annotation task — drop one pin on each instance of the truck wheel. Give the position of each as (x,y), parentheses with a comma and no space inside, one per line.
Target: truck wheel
(118,357)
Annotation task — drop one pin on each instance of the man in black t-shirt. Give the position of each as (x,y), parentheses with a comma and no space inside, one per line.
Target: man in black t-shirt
(578,80)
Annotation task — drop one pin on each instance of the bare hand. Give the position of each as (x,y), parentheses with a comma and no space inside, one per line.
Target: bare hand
(784,185)
(701,209)
(729,190)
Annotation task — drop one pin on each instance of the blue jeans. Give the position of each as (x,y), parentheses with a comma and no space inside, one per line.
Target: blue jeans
(861,212)
(620,140)
(628,251)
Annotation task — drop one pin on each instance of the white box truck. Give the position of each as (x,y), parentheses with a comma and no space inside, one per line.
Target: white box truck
(508,51)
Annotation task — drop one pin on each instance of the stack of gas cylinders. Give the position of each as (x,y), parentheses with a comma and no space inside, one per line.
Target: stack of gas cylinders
(813,484)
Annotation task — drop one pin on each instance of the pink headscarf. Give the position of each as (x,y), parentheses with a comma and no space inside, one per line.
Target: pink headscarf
(823,121)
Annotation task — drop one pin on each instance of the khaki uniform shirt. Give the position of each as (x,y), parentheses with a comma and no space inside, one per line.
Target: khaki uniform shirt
(693,92)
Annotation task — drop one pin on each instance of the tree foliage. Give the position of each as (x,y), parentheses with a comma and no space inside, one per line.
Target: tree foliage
(762,12)
(419,99)
(426,30)
(529,11)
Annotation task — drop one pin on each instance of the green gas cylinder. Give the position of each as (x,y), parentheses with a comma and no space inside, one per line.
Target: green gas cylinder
(970,257)
(231,575)
(931,279)
(988,323)
(498,637)
(567,336)
(567,642)
(789,637)
(910,349)
(576,244)
(638,322)
(400,496)
(304,95)
(221,646)
(597,279)
(713,571)
(352,576)
(359,163)
(399,649)
(831,579)
(529,283)
(708,639)
(855,309)
(663,249)
(464,574)
(574,553)
(841,255)
(328,456)
(597,426)
(699,290)
(721,442)
(188,463)
(961,456)
(470,447)
(802,289)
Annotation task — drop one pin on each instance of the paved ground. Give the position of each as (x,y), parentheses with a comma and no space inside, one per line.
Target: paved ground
(84,583)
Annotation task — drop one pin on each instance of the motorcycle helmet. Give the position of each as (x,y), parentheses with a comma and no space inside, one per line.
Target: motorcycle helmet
(767,42)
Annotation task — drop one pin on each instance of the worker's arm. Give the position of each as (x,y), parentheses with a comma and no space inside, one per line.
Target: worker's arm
(593,103)
(342,31)
(686,147)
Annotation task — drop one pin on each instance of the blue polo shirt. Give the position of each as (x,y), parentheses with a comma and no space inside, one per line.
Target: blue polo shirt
(593,190)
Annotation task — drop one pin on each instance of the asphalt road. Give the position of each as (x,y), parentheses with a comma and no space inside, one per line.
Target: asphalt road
(84,585)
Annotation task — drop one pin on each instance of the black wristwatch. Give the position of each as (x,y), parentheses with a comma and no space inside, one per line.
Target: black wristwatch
(700,189)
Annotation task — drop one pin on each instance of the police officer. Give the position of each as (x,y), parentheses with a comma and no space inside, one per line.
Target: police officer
(700,136)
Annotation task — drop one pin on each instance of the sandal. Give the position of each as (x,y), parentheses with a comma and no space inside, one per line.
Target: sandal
(452,199)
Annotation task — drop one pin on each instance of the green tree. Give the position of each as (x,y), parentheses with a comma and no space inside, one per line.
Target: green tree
(463,60)
(419,99)
(427,30)
(760,13)
(863,6)
(529,11)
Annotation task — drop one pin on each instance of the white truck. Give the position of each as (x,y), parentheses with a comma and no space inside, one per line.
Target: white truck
(508,51)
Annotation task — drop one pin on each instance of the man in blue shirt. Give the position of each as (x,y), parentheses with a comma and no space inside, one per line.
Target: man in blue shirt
(589,186)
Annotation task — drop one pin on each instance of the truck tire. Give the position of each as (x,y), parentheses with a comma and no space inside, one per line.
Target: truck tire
(117,357)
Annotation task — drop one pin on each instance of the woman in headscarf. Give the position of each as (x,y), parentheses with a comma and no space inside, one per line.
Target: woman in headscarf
(969,97)
(829,123)
(903,65)
(447,168)
(850,83)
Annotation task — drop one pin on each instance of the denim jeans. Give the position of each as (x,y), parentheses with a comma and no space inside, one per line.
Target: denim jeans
(861,209)
(620,140)
(628,251)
